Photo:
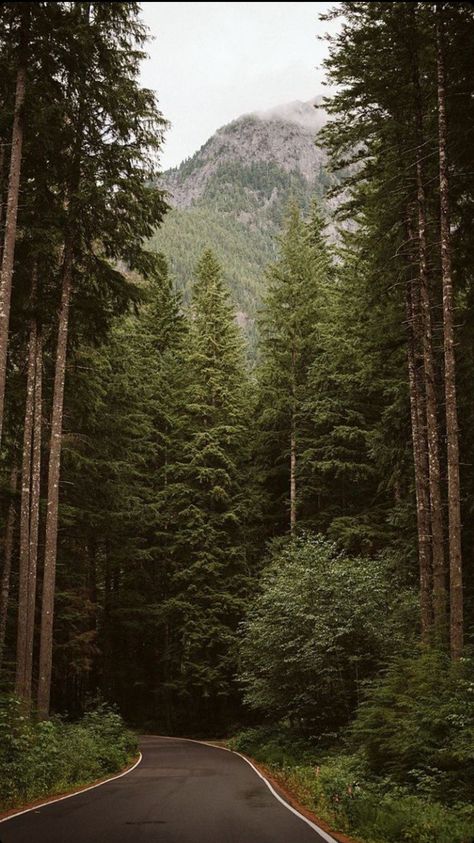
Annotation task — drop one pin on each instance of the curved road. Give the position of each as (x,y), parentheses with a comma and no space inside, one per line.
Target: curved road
(181,792)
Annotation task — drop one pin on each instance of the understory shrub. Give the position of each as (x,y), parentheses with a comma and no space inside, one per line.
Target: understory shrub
(321,624)
(416,725)
(39,758)
(341,791)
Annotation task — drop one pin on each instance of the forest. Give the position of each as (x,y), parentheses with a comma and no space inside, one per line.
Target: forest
(271,547)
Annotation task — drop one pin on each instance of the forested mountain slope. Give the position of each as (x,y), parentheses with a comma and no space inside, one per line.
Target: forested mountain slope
(233,194)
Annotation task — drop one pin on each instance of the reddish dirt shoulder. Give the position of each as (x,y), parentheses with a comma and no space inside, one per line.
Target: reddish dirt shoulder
(280,786)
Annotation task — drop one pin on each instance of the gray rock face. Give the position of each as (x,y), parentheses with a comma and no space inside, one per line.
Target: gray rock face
(283,136)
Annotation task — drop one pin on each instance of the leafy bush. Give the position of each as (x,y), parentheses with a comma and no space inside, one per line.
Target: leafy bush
(277,747)
(37,759)
(321,625)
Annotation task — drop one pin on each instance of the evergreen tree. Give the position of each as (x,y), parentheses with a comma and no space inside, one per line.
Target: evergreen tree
(208,504)
(290,325)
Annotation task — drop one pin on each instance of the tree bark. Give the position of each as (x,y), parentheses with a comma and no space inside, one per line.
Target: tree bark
(34,515)
(50,553)
(293,448)
(420,456)
(7,563)
(436,506)
(6,273)
(2,178)
(452,434)
(25,517)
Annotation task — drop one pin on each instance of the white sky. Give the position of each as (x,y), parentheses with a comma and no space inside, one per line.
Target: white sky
(212,62)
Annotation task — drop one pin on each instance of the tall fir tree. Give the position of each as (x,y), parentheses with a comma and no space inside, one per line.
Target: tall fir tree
(290,325)
(210,504)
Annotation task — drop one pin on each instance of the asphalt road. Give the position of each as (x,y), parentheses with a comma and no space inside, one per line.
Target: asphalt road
(181,792)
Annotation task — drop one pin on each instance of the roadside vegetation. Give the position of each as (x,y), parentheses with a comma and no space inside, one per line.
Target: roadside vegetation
(39,759)
(378,738)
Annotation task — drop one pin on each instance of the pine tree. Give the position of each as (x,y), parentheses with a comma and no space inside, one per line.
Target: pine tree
(452,433)
(208,503)
(99,211)
(294,310)
(20,21)
(389,126)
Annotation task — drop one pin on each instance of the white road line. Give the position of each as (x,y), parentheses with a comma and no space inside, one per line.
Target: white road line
(70,795)
(327,837)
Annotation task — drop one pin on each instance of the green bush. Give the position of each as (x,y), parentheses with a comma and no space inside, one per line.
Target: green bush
(417,725)
(37,759)
(321,624)
(279,748)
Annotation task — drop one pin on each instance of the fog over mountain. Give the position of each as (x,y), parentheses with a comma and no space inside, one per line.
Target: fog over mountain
(310,115)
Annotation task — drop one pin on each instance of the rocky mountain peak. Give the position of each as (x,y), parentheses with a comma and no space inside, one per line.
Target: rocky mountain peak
(283,136)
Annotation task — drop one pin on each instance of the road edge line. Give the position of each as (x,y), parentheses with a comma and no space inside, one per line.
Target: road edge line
(324,834)
(327,837)
(70,795)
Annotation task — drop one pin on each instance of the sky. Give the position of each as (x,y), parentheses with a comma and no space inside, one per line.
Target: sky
(211,62)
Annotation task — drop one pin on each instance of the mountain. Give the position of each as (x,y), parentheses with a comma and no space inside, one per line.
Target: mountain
(232,195)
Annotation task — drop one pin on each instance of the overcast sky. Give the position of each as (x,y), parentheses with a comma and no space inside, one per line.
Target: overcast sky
(211,62)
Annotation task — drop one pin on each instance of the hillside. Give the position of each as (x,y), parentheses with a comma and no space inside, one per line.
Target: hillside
(232,195)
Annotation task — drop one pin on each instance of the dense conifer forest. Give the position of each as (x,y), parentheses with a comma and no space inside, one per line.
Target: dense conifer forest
(263,535)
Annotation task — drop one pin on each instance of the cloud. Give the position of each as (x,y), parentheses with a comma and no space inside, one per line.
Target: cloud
(211,62)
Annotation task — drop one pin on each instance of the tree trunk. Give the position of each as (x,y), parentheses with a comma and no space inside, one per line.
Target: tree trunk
(293,480)
(293,448)
(2,179)
(436,506)
(7,563)
(50,553)
(437,529)
(420,456)
(20,679)
(6,273)
(34,515)
(452,436)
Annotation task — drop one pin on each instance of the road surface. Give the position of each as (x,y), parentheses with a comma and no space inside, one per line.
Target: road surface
(181,792)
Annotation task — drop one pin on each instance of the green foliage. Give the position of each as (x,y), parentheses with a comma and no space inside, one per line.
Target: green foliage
(290,328)
(207,500)
(38,759)
(242,251)
(340,790)
(417,725)
(273,745)
(321,625)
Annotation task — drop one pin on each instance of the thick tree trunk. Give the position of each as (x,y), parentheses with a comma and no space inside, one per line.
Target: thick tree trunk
(34,515)
(20,679)
(436,506)
(6,273)
(50,553)
(2,180)
(7,562)
(452,435)
(420,460)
